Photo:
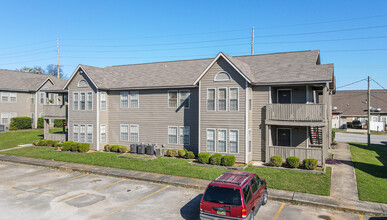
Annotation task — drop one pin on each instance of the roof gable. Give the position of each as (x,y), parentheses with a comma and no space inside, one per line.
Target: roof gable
(77,71)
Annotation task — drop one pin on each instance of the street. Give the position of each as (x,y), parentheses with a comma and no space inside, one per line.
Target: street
(360,138)
(32,192)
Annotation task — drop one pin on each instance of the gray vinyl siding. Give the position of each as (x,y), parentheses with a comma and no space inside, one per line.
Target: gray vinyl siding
(260,100)
(153,117)
(299,135)
(22,107)
(298,93)
(86,117)
(223,119)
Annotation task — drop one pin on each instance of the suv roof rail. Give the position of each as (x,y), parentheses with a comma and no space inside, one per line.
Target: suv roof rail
(225,177)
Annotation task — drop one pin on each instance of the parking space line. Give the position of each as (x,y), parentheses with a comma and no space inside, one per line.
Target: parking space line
(30,174)
(279,211)
(83,194)
(361,217)
(4,168)
(60,181)
(139,200)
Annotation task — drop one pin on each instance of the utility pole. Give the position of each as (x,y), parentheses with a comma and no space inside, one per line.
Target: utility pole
(252,43)
(57,56)
(369,113)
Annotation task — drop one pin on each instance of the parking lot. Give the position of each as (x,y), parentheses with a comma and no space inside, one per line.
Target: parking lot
(32,192)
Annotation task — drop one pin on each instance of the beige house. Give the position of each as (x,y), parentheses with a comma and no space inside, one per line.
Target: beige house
(252,107)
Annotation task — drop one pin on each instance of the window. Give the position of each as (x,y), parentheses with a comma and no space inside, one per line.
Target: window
(41,114)
(13,97)
(82,101)
(51,98)
(185,135)
(222,141)
(210,139)
(89,101)
(75,101)
(124,130)
(42,95)
(223,195)
(134,99)
(134,133)
(82,134)
(103,100)
(233,141)
(4,118)
(210,99)
(185,98)
(12,115)
(124,99)
(254,185)
(249,140)
(247,195)
(89,133)
(234,99)
(374,118)
(222,76)
(75,132)
(222,96)
(82,83)
(172,135)
(4,96)
(32,99)
(383,119)
(172,99)
(103,133)
(250,99)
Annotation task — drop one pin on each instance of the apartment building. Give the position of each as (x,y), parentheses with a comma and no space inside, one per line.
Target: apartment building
(252,107)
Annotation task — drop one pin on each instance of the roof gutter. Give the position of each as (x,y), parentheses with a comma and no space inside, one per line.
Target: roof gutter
(292,83)
(150,87)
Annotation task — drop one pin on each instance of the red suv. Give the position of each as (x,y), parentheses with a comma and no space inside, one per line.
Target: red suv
(233,195)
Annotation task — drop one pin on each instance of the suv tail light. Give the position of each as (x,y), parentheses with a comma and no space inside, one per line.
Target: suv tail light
(244,213)
(201,206)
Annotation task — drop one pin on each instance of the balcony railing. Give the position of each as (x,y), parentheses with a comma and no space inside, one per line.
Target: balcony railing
(55,111)
(296,112)
(314,152)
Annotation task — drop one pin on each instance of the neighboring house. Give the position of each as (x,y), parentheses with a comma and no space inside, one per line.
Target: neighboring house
(27,94)
(252,107)
(350,106)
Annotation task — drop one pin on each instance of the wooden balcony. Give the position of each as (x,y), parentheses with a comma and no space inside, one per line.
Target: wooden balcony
(55,111)
(297,114)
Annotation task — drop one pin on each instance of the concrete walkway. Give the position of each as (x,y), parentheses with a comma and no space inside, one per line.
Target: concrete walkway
(18,147)
(343,181)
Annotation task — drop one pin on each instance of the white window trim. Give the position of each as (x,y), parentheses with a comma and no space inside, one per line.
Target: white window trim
(188,98)
(222,80)
(40,98)
(214,100)
(128,132)
(225,88)
(74,101)
(177,135)
(130,99)
(372,118)
(6,114)
(215,138)
(189,140)
(381,118)
(105,93)
(3,94)
(177,98)
(138,134)
(101,133)
(87,101)
(127,93)
(230,141)
(10,96)
(229,99)
(87,133)
(291,94)
(291,139)
(250,94)
(80,99)
(75,132)
(249,136)
(80,132)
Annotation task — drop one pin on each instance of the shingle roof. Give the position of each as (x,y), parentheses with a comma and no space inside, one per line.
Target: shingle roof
(291,67)
(354,102)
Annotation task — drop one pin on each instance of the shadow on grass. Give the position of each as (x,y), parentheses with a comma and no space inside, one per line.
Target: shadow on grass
(374,170)
(191,210)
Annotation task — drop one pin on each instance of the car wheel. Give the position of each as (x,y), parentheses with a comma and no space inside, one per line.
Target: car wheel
(264,199)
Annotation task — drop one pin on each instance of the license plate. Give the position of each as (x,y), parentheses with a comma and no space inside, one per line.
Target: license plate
(221,212)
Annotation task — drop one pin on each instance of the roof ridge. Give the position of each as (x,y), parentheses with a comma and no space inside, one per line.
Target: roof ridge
(298,51)
(170,61)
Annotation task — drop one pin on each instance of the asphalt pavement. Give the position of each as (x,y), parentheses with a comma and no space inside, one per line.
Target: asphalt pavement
(360,138)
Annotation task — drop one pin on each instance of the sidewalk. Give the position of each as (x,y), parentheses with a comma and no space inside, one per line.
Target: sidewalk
(296,197)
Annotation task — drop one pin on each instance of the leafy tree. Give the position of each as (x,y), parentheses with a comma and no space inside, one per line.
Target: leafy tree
(35,69)
(52,70)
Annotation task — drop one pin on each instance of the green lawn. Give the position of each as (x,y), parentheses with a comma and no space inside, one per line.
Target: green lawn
(278,179)
(14,138)
(371,171)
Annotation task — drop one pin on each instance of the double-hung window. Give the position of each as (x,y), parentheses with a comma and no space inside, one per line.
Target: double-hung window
(210,99)
(89,133)
(249,140)
(51,98)
(124,99)
(82,134)
(82,101)
(134,133)
(210,139)
(185,98)
(42,96)
(76,99)
(103,100)
(4,118)
(172,99)
(75,133)
(185,135)
(134,99)
(250,99)
(222,140)
(233,141)
(4,96)
(103,133)
(172,135)
(13,97)
(222,97)
(233,99)
(89,101)
(124,130)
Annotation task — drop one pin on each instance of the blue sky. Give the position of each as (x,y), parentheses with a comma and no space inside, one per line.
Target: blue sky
(105,33)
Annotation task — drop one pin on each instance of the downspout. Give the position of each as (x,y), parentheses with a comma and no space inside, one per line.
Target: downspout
(246,123)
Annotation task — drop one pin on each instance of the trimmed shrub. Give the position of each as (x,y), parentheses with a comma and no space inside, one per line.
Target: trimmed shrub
(333,136)
(122,149)
(310,164)
(66,146)
(57,144)
(216,159)
(74,147)
(58,123)
(20,123)
(190,155)
(204,157)
(40,123)
(42,142)
(172,153)
(49,143)
(107,148)
(181,153)
(293,162)
(83,147)
(114,148)
(228,160)
(35,143)
(276,161)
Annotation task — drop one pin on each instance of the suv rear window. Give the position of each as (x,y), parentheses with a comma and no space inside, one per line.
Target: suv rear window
(223,195)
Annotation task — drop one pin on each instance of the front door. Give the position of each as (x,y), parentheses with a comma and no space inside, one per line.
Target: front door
(284,96)
(283,136)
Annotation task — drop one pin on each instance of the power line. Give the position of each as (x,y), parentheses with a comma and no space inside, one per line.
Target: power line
(42,52)
(26,51)
(350,83)
(328,40)
(379,85)
(27,61)
(26,45)
(355,50)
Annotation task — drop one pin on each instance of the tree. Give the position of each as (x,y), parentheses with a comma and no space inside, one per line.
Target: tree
(35,69)
(50,70)
(53,70)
